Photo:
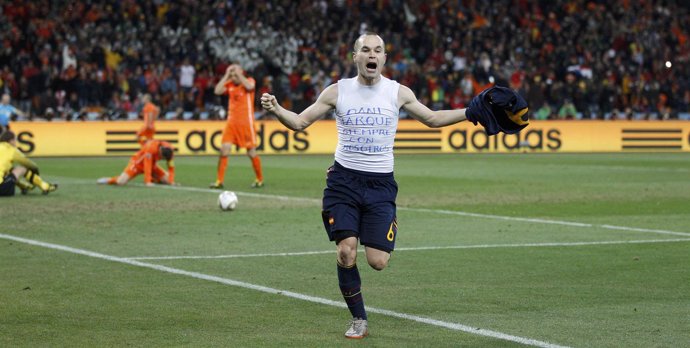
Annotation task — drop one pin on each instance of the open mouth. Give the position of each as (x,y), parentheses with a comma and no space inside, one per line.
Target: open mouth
(371,66)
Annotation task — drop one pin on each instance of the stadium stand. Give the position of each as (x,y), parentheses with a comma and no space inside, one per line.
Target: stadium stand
(575,59)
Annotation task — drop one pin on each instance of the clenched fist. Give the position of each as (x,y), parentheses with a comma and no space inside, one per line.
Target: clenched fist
(269,102)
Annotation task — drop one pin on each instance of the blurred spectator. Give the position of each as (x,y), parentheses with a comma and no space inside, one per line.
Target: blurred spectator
(607,57)
(542,113)
(567,111)
(187,72)
(7,112)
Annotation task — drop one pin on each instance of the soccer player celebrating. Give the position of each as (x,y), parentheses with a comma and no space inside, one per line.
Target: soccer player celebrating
(145,161)
(359,199)
(239,129)
(17,170)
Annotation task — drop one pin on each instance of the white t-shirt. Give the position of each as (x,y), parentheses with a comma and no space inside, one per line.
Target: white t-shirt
(187,76)
(367,119)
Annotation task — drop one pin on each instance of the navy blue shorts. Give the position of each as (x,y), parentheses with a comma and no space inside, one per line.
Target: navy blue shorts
(360,204)
(7,185)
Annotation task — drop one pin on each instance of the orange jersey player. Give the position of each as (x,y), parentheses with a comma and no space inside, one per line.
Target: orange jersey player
(145,162)
(150,112)
(239,129)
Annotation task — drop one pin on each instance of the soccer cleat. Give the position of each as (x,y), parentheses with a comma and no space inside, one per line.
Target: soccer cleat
(216,185)
(51,188)
(257,184)
(103,181)
(358,329)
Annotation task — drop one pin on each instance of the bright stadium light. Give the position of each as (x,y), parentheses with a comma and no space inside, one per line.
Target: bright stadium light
(668,64)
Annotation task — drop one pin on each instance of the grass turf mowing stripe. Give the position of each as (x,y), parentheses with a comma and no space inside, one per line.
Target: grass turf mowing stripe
(433,211)
(476,246)
(231,282)
(447,212)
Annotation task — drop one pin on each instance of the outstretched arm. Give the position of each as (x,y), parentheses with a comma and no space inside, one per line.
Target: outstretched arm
(434,119)
(19,113)
(324,103)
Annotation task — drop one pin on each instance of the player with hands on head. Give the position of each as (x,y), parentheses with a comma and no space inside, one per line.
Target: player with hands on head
(359,198)
(239,128)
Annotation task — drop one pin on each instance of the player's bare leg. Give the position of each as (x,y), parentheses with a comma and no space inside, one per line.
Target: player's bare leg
(377,259)
(347,251)
(123,179)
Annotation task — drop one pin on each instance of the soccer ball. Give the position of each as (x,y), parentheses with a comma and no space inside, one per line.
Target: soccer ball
(227,201)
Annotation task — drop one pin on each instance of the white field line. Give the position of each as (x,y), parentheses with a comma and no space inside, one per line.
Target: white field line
(449,212)
(439,211)
(240,284)
(546,221)
(476,246)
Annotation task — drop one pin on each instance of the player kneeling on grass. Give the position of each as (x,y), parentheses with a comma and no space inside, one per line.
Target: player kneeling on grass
(145,161)
(16,169)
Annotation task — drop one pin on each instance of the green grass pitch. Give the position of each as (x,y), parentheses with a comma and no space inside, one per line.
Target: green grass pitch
(494,250)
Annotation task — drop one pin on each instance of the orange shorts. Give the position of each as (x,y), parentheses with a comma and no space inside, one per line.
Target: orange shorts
(133,169)
(240,136)
(145,134)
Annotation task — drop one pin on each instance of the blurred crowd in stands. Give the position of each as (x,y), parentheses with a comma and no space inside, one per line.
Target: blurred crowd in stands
(570,59)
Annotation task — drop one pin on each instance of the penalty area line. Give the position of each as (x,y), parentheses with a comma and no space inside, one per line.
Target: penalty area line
(475,246)
(290,294)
